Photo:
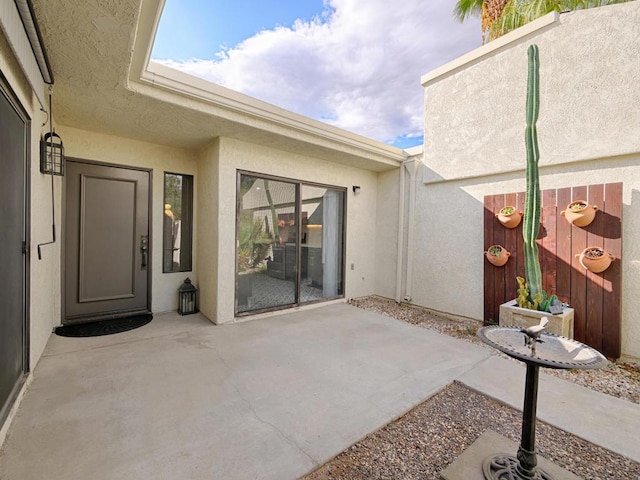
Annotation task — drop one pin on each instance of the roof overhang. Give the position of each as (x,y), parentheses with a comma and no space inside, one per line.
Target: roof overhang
(25,10)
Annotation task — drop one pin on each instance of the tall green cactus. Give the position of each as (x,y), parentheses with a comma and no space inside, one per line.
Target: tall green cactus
(531,219)
(530,293)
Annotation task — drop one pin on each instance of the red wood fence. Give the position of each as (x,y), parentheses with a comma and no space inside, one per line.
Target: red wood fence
(594,296)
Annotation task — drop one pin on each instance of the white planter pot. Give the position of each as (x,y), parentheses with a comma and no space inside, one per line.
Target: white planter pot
(513,316)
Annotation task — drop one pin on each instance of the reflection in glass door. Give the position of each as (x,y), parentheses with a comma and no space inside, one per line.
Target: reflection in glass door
(321,243)
(282,225)
(267,260)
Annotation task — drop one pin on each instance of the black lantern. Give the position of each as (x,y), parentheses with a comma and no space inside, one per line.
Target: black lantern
(51,154)
(187,298)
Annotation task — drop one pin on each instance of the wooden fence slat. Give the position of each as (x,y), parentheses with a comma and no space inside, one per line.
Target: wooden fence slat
(578,277)
(612,219)
(512,242)
(489,291)
(520,260)
(595,282)
(548,241)
(499,234)
(563,248)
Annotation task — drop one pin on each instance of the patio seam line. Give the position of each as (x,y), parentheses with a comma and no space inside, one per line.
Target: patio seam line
(314,462)
(110,345)
(416,374)
(472,367)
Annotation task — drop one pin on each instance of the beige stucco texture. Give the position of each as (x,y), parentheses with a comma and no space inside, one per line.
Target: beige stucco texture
(474,146)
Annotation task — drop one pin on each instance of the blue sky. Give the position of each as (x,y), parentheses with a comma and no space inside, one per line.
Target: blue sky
(355,64)
(198,28)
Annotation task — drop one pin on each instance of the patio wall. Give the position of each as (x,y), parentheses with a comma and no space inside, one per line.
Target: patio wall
(218,164)
(474,146)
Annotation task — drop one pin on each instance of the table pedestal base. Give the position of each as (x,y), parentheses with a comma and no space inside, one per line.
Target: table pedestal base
(507,467)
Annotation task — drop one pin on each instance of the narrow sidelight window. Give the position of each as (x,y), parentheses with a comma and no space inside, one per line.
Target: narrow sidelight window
(178,223)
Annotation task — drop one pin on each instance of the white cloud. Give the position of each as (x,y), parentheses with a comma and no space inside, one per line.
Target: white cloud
(357,67)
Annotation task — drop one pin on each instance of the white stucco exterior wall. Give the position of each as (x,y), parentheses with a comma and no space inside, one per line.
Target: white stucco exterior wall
(207,220)
(387,232)
(44,288)
(218,166)
(474,146)
(104,148)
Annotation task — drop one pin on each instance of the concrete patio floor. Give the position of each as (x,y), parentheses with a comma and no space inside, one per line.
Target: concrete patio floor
(271,398)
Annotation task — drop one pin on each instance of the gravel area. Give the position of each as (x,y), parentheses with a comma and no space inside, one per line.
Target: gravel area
(422,443)
(426,440)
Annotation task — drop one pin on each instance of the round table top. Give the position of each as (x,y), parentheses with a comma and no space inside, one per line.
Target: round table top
(551,351)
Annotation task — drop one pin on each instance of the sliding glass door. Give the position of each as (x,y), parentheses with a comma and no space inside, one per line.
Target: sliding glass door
(290,243)
(267,245)
(322,251)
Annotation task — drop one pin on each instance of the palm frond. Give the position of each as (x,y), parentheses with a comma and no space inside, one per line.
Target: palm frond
(467,8)
(517,13)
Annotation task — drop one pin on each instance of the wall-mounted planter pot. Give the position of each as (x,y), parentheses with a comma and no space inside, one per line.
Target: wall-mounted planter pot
(509,217)
(497,255)
(595,259)
(580,213)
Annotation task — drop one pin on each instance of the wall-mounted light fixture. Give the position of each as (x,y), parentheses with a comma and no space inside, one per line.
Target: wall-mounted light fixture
(51,148)
(51,154)
(356,189)
(51,163)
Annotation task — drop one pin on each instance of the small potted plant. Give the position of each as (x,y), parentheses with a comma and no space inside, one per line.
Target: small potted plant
(497,255)
(509,216)
(595,259)
(580,213)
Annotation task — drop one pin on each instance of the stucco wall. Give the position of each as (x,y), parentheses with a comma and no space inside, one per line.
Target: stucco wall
(387,232)
(208,210)
(44,288)
(159,159)
(588,97)
(232,155)
(474,146)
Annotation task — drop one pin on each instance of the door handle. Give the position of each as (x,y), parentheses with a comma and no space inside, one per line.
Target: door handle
(144,246)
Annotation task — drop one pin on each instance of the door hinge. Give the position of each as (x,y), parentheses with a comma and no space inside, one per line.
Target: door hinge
(24,248)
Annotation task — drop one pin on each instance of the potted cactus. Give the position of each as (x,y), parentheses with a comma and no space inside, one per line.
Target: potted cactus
(537,298)
(531,297)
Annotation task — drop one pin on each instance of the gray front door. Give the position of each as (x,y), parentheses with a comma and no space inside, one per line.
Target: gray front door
(106,241)
(14,128)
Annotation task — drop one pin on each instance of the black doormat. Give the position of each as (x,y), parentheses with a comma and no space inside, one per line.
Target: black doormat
(104,327)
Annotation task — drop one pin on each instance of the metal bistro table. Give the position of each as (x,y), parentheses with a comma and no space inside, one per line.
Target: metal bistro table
(544,350)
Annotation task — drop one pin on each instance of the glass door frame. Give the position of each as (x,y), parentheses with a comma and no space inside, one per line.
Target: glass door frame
(298,235)
(8,94)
